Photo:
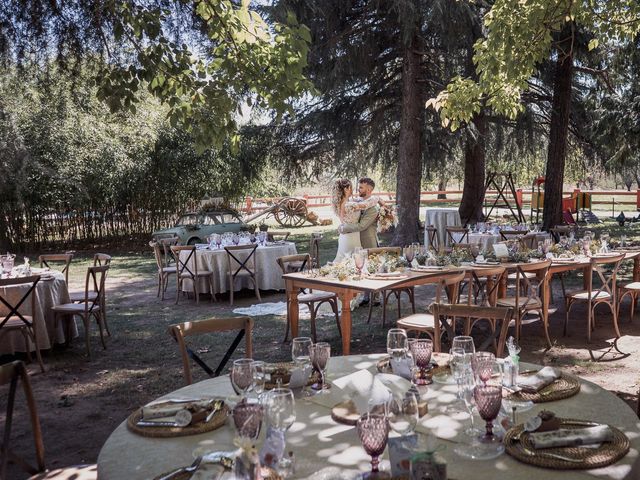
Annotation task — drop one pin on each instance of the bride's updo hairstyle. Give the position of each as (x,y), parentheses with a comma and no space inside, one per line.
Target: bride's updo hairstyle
(339,193)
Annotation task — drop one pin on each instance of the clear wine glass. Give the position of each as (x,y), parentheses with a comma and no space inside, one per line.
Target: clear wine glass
(247,418)
(409,253)
(242,376)
(465,343)
(219,241)
(397,342)
(259,377)
(320,354)
(373,431)
(280,410)
(300,355)
(468,384)
(421,350)
(460,364)
(358,259)
(403,413)
(482,364)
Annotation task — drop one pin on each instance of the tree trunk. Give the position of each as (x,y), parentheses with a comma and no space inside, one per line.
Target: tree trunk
(442,186)
(558,131)
(409,172)
(474,168)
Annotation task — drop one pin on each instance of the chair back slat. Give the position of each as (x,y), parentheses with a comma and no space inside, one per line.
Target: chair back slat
(607,272)
(314,249)
(384,250)
(475,313)
(12,373)
(64,258)
(101,259)
(512,234)
(95,278)
(461,231)
(246,263)
(285,261)
(486,281)
(432,237)
(212,325)
(535,288)
(182,266)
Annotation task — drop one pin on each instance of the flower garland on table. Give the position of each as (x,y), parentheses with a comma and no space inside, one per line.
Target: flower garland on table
(385,263)
(386,218)
(340,270)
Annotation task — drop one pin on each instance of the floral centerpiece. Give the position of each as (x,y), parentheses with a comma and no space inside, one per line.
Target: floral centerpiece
(385,263)
(455,257)
(340,270)
(386,218)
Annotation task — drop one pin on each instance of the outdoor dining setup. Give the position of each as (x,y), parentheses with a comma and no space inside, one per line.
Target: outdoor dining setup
(449,395)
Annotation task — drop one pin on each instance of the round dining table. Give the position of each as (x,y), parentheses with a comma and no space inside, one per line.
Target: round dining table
(215,260)
(319,443)
(441,218)
(50,291)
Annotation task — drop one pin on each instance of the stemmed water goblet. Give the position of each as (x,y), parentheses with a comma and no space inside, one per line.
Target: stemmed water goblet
(247,418)
(319,354)
(482,364)
(409,253)
(358,259)
(465,343)
(421,350)
(259,377)
(252,238)
(242,376)
(373,431)
(218,241)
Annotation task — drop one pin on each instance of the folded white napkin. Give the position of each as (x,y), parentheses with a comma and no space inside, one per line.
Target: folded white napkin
(362,387)
(401,367)
(566,437)
(534,383)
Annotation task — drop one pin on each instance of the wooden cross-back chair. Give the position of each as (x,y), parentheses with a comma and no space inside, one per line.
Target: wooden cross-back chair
(425,322)
(531,282)
(314,249)
(605,294)
(432,237)
(633,291)
(313,300)
(15,319)
(559,230)
(63,258)
(512,234)
(397,292)
(472,314)
(484,283)
(281,234)
(529,241)
(188,269)
(99,260)
(242,267)
(91,306)
(164,271)
(14,373)
(452,232)
(179,332)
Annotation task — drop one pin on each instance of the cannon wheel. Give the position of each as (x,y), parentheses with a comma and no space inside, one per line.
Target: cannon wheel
(291,212)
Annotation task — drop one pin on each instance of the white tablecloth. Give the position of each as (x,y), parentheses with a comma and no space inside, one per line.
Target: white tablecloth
(441,218)
(318,442)
(48,294)
(268,272)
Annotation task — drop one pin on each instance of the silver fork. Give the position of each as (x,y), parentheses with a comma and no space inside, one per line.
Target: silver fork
(190,469)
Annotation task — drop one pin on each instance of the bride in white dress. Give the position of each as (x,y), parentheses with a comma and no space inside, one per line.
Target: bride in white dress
(348,212)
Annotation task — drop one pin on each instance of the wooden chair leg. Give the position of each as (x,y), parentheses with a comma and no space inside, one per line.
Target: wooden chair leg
(27,347)
(231,289)
(87,340)
(160,282)
(212,288)
(398,295)
(334,307)
(38,354)
(99,320)
(177,287)
(196,289)
(384,308)
(312,320)
(412,296)
(103,309)
(370,308)
(163,282)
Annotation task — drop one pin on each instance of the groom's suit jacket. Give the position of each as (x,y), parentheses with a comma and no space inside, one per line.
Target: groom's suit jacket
(367,226)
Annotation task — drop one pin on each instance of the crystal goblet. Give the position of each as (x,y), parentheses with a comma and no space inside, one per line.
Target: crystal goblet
(320,354)
(373,431)
(421,350)
(247,418)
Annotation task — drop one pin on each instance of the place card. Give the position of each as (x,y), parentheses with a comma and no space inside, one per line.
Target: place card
(501,250)
(401,366)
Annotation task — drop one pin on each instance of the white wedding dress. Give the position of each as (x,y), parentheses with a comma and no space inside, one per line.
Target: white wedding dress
(348,242)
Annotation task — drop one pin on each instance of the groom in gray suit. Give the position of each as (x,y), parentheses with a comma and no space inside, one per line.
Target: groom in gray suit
(367,223)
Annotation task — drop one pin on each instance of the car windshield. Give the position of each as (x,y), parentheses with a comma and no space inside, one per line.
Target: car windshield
(191,219)
(210,220)
(229,218)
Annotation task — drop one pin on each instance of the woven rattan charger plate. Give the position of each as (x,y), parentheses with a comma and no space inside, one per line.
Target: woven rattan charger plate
(385,367)
(517,445)
(219,419)
(282,371)
(564,387)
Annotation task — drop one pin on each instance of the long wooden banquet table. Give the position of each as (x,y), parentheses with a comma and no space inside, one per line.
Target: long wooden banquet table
(346,291)
(319,442)
(349,288)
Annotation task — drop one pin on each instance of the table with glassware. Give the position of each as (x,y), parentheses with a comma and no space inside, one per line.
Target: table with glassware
(326,449)
(50,291)
(441,218)
(214,258)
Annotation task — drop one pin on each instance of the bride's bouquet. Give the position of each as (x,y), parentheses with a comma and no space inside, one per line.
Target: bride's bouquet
(386,218)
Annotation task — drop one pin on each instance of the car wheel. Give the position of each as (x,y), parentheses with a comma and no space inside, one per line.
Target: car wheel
(193,241)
